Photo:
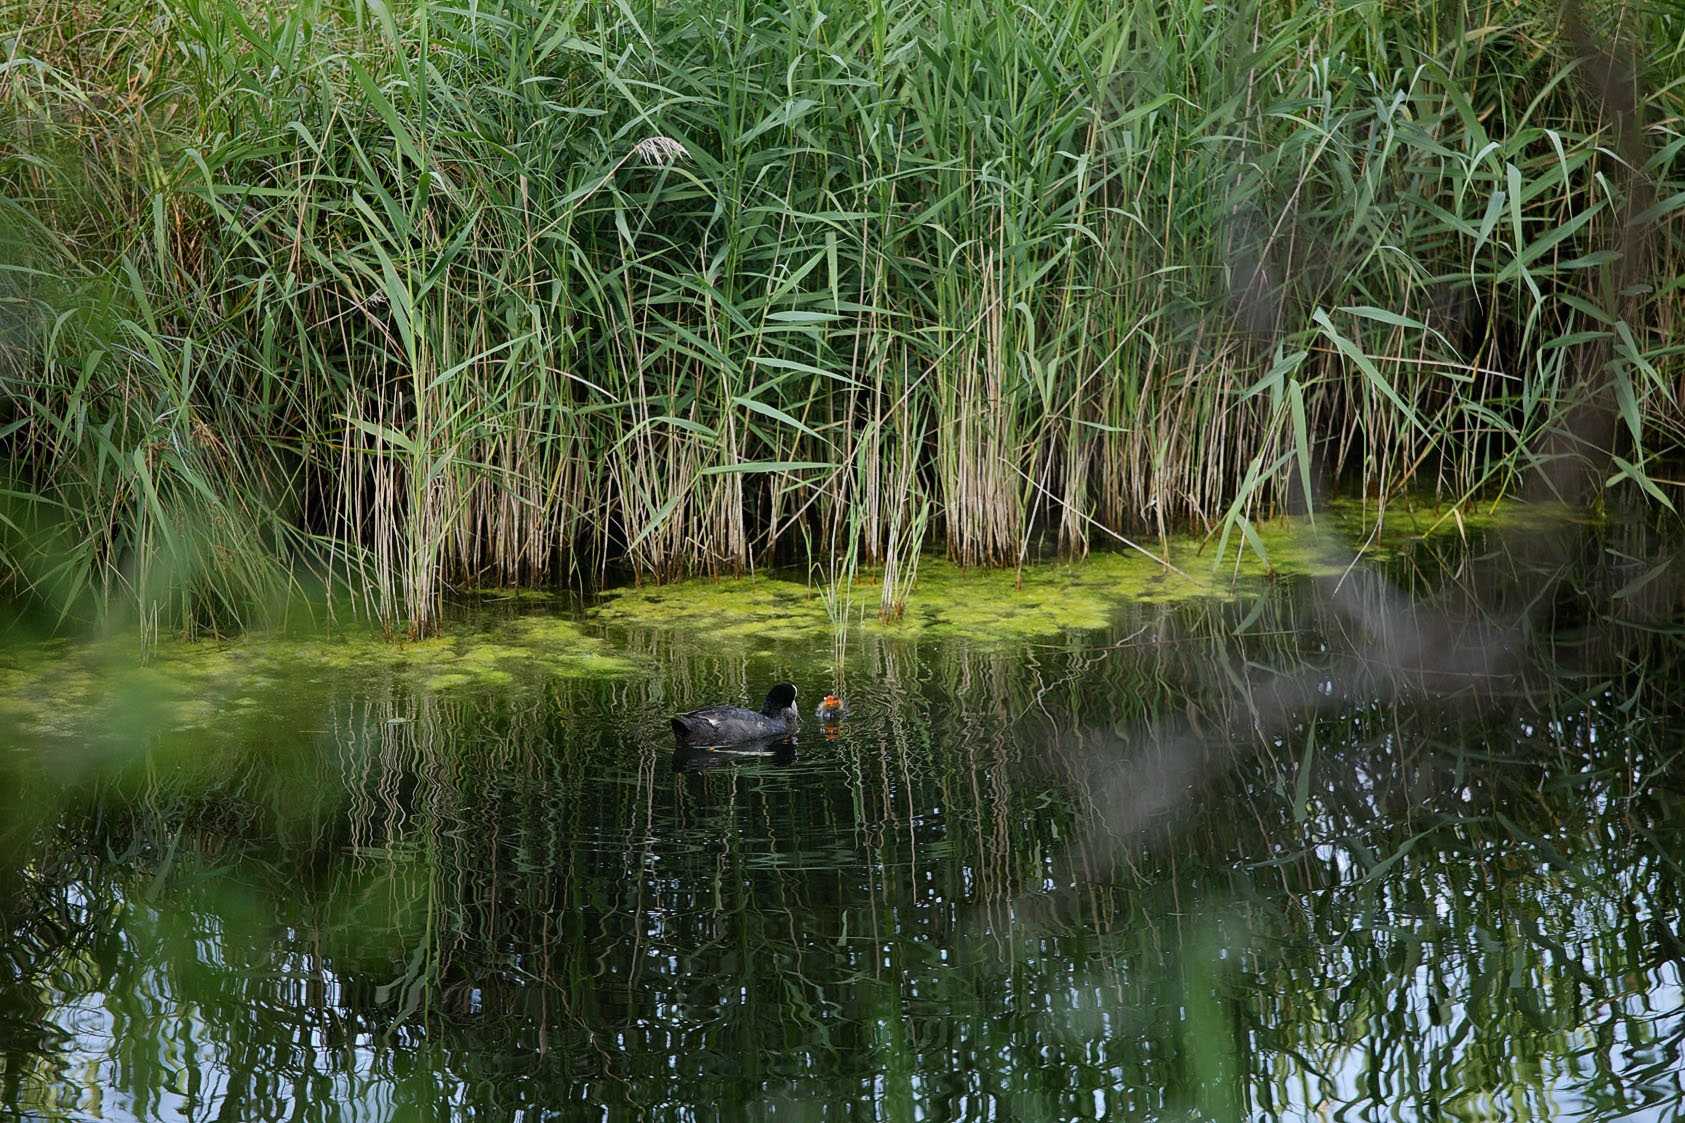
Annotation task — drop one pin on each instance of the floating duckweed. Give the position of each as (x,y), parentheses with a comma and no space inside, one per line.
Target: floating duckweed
(446,680)
(489,654)
(518,593)
(65,689)
(1043,598)
(99,689)
(550,632)
(762,608)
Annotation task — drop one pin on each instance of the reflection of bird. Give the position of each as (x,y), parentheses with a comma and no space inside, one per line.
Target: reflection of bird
(699,758)
(730,725)
(831,709)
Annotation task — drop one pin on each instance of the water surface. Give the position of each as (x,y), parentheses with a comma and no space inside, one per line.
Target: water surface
(1405,845)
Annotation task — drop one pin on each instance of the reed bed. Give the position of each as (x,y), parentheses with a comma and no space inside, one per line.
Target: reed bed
(393,298)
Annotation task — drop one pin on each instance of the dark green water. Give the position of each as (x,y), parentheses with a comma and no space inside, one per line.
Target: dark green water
(1406,849)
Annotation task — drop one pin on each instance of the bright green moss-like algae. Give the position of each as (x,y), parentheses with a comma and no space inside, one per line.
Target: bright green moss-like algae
(1045,598)
(66,689)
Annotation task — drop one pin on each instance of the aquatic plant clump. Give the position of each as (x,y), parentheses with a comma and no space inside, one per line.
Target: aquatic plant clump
(1043,598)
(68,689)
(392,299)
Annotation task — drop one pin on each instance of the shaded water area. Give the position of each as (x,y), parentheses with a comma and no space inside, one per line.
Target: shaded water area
(1402,843)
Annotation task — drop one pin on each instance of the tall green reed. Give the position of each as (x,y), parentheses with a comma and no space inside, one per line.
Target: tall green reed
(395,298)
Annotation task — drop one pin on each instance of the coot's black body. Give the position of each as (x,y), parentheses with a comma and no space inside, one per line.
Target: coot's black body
(733,725)
(700,758)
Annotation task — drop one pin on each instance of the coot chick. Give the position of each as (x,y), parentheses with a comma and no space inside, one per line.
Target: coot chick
(730,725)
(831,709)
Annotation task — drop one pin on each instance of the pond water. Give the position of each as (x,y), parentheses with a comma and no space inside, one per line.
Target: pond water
(1403,843)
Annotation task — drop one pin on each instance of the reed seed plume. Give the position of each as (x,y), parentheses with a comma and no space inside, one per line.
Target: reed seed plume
(659,151)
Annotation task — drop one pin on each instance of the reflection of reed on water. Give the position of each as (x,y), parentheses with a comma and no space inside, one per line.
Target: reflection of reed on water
(1210,857)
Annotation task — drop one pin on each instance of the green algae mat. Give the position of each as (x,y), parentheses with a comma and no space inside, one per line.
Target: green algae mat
(985,606)
(67,688)
(518,640)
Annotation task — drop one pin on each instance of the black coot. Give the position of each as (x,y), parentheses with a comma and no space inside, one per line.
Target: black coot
(731,725)
(700,758)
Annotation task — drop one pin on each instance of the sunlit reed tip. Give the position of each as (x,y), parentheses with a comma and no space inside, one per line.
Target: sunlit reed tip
(659,151)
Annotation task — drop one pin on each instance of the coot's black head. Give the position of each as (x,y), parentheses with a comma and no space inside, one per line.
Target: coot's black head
(780,698)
